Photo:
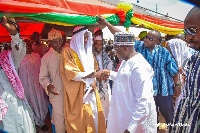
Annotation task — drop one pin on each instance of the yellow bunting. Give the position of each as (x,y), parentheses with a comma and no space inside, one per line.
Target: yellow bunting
(59,23)
(166,30)
(125,6)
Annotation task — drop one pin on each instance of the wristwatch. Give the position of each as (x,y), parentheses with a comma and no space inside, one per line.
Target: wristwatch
(179,85)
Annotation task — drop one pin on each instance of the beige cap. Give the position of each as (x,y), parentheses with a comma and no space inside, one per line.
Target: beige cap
(54,34)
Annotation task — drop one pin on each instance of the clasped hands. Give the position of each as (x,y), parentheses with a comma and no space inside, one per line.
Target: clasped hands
(102,74)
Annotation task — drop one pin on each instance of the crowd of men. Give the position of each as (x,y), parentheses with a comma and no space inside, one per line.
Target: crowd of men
(76,79)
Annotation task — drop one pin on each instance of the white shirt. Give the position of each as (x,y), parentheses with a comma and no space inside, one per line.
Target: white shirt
(132,105)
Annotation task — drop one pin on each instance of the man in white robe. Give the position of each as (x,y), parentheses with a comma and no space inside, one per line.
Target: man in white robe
(180,52)
(35,94)
(51,80)
(19,116)
(132,108)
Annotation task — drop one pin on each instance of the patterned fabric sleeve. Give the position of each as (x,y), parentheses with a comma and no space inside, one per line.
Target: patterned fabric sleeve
(171,65)
(138,45)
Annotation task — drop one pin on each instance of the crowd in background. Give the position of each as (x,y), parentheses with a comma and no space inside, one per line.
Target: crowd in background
(144,76)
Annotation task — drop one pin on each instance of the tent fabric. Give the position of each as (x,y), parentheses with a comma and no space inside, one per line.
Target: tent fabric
(58,6)
(79,12)
(64,18)
(26,30)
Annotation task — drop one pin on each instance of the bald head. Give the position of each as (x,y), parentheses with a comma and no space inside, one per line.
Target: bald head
(152,39)
(194,11)
(156,33)
(193,15)
(180,36)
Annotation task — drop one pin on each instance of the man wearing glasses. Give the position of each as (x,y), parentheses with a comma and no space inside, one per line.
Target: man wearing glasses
(166,82)
(186,118)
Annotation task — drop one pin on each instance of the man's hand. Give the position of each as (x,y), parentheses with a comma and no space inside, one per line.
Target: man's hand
(50,88)
(105,74)
(98,74)
(102,74)
(93,85)
(102,20)
(177,91)
(10,27)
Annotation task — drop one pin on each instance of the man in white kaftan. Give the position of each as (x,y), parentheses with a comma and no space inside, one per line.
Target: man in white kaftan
(132,106)
(51,80)
(35,94)
(19,116)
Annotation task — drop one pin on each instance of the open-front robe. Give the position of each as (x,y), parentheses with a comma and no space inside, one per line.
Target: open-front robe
(78,116)
(19,117)
(35,94)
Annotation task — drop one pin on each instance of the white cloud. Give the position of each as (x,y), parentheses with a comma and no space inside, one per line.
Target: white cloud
(178,10)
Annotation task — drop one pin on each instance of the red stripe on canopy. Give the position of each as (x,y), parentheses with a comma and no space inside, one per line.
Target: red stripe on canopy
(26,29)
(158,21)
(58,6)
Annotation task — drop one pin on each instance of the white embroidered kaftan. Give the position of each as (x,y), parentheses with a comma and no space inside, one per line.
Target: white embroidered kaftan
(132,105)
(19,117)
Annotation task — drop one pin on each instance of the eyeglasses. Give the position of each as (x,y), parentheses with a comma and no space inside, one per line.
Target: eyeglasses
(191,31)
(150,38)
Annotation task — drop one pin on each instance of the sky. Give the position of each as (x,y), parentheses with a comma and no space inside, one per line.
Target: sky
(175,8)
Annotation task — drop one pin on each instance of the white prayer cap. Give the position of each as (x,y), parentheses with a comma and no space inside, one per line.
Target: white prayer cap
(54,34)
(98,38)
(124,38)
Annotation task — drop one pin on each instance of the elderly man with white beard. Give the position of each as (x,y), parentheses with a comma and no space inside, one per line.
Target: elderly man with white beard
(104,62)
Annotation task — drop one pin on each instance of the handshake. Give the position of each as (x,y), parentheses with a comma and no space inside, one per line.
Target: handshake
(101,75)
